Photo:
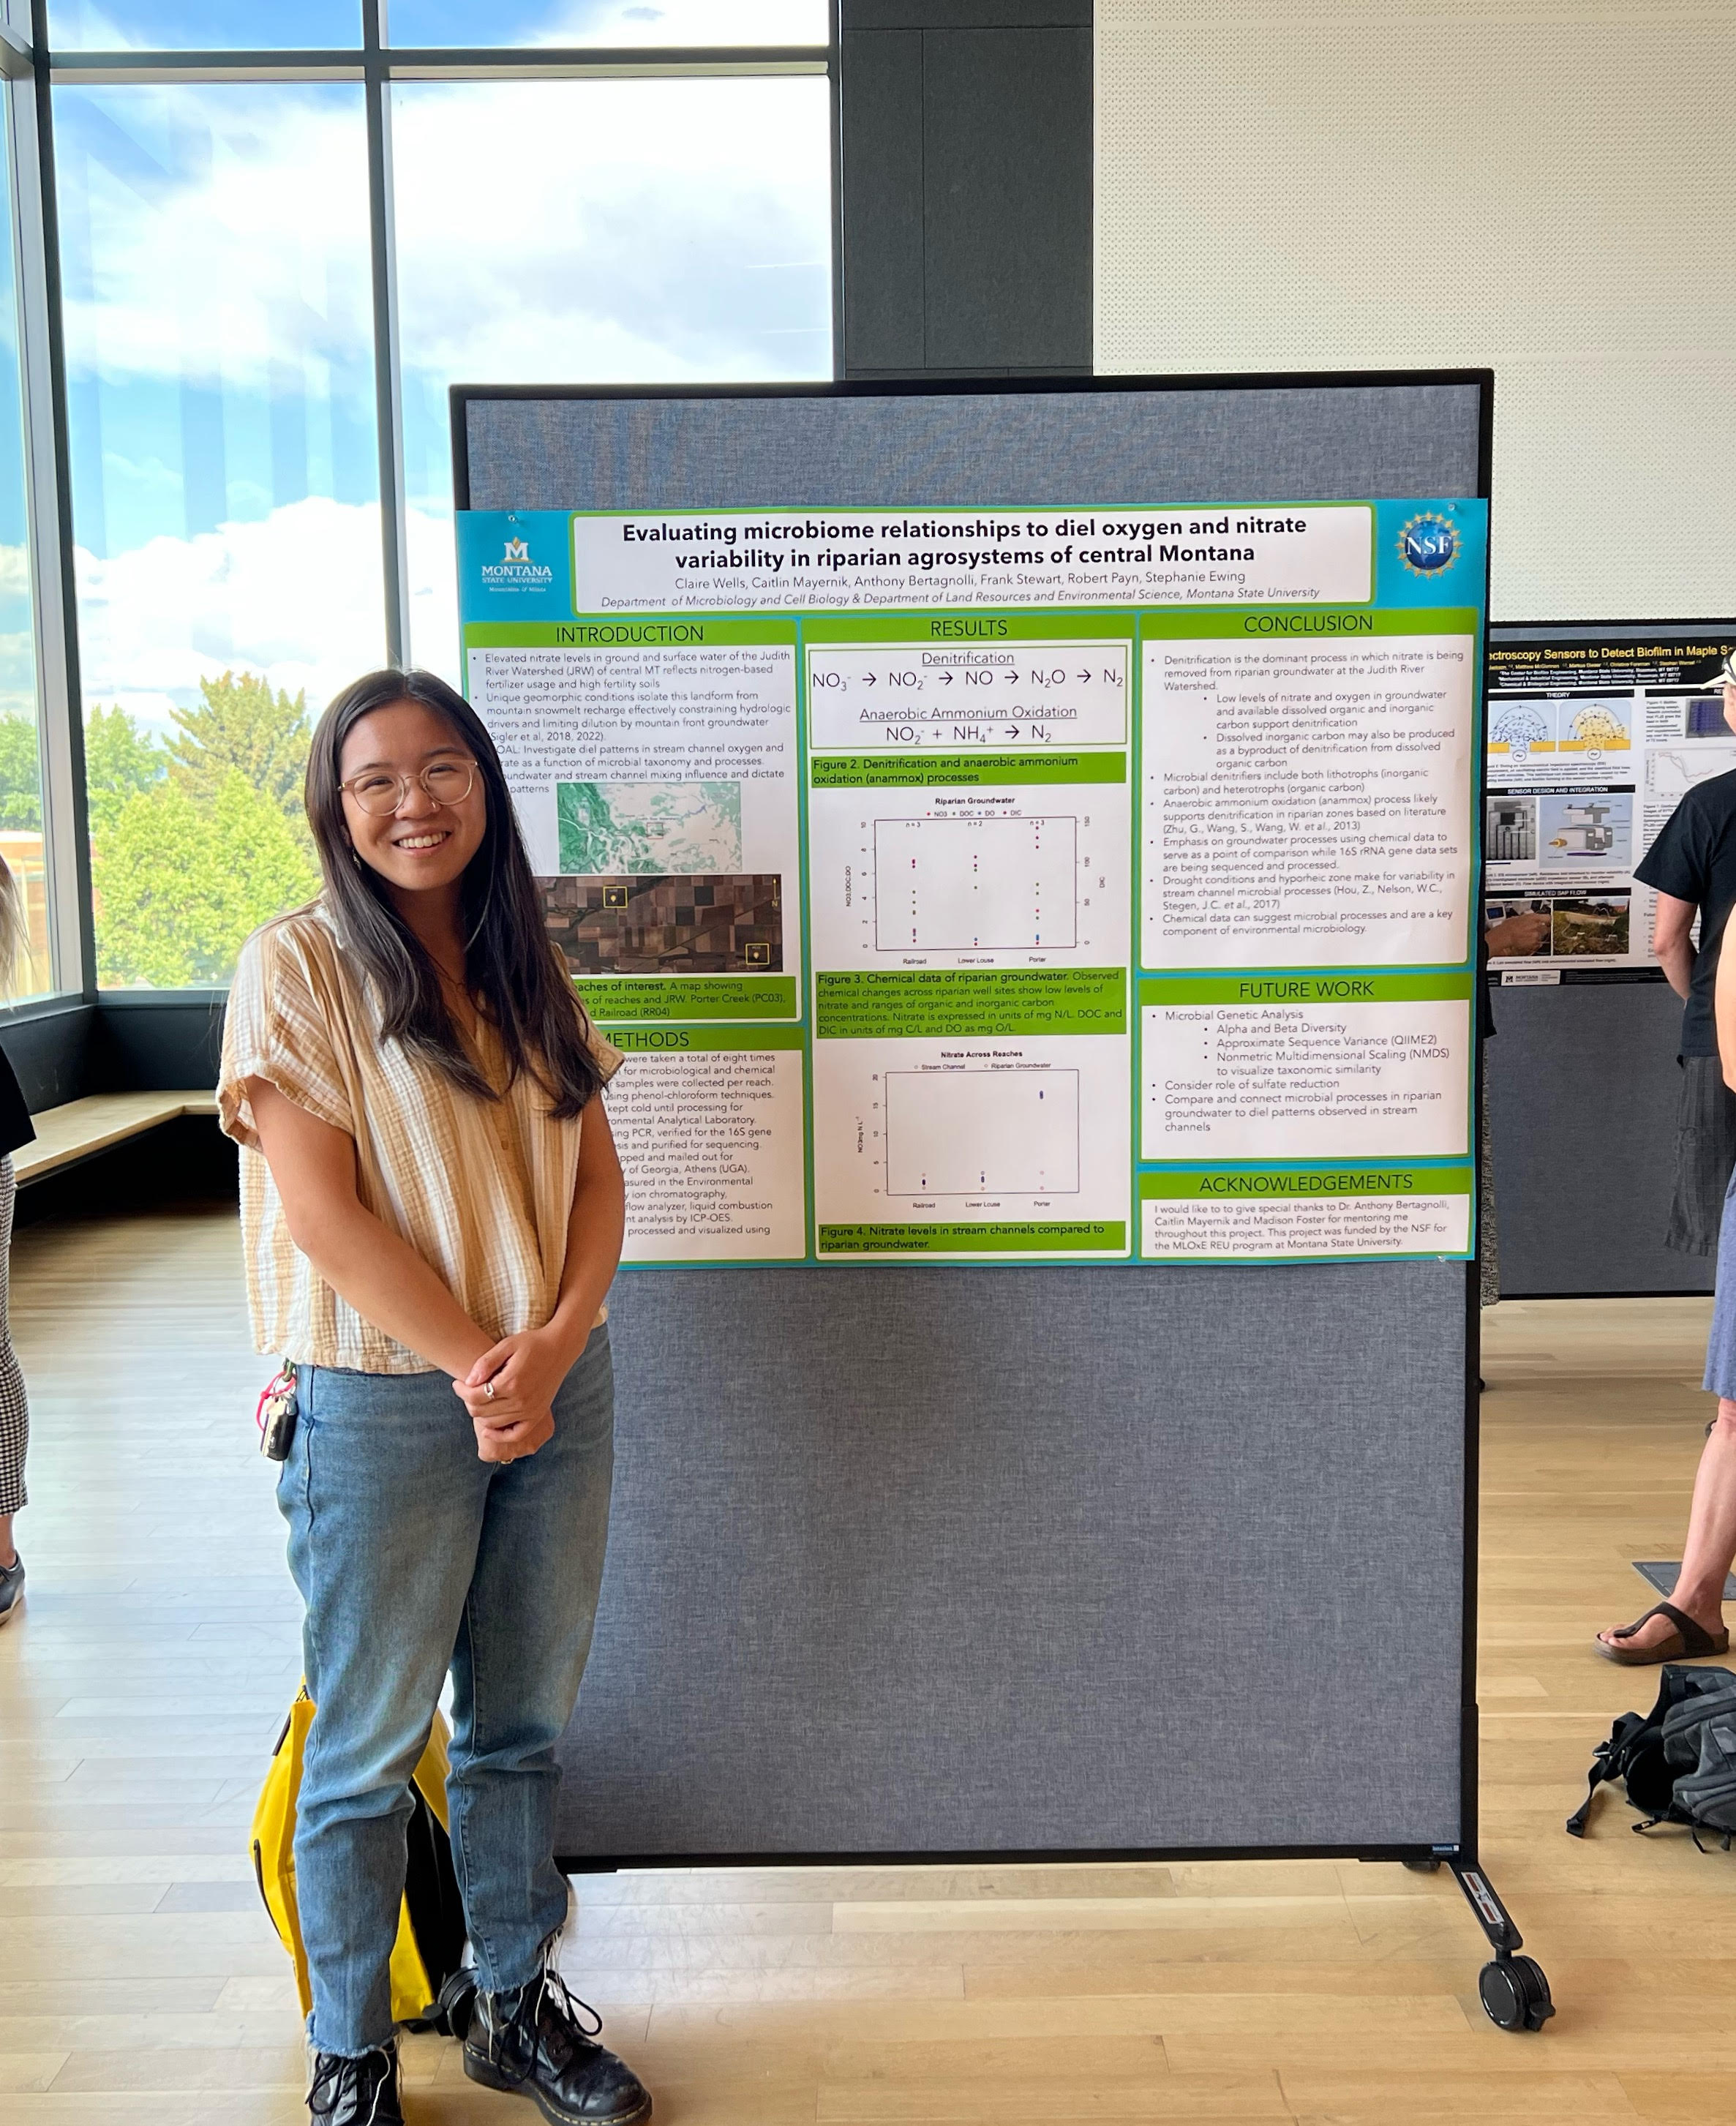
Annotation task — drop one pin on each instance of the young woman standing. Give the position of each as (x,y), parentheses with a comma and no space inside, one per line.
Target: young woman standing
(431,1210)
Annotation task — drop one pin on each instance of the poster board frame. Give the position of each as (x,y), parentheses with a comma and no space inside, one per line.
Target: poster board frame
(1461,1854)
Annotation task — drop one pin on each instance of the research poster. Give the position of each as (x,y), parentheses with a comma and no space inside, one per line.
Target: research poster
(1005,884)
(1593,739)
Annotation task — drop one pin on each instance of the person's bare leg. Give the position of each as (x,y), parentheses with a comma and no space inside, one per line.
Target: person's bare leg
(1711,1549)
(8,1556)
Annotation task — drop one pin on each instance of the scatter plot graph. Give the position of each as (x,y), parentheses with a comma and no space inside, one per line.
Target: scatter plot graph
(954,885)
(977,1132)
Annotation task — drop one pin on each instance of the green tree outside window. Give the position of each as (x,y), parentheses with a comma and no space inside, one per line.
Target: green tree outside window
(242,724)
(119,761)
(20,777)
(198,839)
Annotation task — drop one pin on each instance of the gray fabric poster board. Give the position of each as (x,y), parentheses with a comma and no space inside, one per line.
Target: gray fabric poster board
(1582,1089)
(1047,1560)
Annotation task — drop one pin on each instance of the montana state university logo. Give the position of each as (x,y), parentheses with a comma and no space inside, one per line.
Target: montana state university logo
(515,570)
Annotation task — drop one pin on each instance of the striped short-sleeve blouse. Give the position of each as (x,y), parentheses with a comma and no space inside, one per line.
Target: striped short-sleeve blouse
(481,1189)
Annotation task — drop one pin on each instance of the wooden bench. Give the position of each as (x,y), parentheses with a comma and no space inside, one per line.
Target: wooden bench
(66,1134)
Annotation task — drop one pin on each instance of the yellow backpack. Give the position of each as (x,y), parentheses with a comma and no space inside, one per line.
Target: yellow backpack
(428,1953)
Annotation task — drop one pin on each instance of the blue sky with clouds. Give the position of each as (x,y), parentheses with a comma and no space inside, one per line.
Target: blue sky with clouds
(219,25)
(218,328)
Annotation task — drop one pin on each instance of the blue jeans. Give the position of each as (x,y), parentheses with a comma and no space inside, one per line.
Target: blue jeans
(412,1555)
(1720,1349)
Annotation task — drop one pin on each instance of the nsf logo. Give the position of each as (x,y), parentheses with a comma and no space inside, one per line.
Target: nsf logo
(1428,544)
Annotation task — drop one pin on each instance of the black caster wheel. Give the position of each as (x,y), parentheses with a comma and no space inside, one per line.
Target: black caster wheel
(1423,1867)
(1515,1994)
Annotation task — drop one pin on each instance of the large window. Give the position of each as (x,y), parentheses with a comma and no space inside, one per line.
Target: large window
(216,281)
(696,23)
(635,232)
(251,269)
(119,26)
(22,840)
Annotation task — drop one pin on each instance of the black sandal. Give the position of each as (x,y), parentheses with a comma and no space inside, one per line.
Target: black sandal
(1692,1641)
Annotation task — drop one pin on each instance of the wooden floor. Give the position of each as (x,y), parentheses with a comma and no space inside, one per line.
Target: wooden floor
(142,1686)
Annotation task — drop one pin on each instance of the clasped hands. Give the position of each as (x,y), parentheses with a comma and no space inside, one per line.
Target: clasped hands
(524,1371)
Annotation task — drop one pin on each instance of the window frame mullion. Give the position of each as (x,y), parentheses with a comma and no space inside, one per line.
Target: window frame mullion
(47,496)
(388,381)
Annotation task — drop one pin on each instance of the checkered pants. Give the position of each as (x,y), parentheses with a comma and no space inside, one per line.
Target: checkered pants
(14,1414)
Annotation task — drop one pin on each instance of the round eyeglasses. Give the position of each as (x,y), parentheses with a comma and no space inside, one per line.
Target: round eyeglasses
(380,792)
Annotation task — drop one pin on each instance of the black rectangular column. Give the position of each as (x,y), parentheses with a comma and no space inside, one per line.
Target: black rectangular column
(966,138)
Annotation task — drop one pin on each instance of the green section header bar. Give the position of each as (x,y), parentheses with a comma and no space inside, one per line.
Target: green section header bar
(690,1040)
(970,1003)
(1100,1236)
(1238,1183)
(1297,622)
(612,1000)
(1351,986)
(961,770)
(681,631)
(1072,624)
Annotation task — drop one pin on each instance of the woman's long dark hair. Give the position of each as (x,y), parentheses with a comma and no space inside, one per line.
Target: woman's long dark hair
(511,963)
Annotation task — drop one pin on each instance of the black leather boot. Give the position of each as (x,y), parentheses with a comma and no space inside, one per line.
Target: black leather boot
(355,2092)
(535,2042)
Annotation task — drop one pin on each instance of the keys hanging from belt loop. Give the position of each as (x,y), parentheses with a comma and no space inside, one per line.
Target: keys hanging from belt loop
(276,1415)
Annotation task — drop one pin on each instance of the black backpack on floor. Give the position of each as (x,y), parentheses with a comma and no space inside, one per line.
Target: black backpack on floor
(1678,1761)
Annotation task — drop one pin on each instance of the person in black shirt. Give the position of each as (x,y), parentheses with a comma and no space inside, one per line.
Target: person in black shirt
(1691,868)
(15,1130)
(1689,1623)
